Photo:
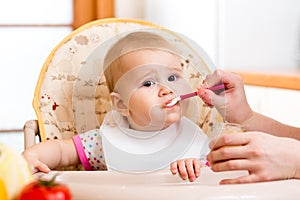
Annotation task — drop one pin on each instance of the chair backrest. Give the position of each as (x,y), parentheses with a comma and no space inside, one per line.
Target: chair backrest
(71,95)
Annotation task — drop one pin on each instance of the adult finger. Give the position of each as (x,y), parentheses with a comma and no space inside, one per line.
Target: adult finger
(237,164)
(229,140)
(214,78)
(210,98)
(227,153)
(243,179)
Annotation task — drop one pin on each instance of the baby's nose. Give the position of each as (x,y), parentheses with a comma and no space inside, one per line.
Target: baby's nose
(164,91)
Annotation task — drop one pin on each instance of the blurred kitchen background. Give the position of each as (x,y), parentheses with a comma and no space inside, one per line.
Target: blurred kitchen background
(260,39)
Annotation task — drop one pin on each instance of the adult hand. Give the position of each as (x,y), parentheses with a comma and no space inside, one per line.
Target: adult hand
(232,103)
(266,157)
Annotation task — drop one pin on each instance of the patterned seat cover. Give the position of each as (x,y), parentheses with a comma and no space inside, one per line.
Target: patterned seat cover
(71,95)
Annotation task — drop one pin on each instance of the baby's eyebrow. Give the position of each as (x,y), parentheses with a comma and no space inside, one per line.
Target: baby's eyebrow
(179,70)
(142,76)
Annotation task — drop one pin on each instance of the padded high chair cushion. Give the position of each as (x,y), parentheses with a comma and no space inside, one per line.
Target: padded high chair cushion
(71,95)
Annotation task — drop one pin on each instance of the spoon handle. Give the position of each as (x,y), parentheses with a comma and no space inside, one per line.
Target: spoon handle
(185,96)
(192,94)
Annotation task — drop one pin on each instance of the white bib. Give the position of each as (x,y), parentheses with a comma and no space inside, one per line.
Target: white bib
(129,150)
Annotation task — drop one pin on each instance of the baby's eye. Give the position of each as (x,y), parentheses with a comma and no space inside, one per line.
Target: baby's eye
(148,83)
(172,78)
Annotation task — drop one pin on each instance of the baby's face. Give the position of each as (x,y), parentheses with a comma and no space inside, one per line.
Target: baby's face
(151,78)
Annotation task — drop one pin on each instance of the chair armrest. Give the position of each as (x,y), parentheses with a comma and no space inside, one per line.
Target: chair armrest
(31,130)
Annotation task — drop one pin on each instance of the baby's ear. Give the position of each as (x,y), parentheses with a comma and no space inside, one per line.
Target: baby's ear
(119,104)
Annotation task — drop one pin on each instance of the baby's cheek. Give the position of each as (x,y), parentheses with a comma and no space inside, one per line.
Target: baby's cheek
(156,113)
(157,116)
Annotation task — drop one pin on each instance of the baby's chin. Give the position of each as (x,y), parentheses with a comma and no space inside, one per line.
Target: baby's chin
(149,127)
(158,121)
(170,122)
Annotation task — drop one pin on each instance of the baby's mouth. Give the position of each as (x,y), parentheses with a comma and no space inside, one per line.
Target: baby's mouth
(168,104)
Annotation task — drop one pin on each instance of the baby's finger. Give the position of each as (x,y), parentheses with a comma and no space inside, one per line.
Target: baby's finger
(42,167)
(190,170)
(197,166)
(174,167)
(182,169)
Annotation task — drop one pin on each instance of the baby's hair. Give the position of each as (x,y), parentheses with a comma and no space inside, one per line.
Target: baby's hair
(133,41)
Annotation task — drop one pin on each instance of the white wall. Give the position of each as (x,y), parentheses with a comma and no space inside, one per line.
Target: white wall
(23,52)
(196,19)
(279,104)
(260,34)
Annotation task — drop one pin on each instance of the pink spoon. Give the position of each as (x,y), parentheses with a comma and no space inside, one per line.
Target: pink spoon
(192,94)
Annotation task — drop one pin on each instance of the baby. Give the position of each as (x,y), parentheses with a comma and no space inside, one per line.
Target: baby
(140,134)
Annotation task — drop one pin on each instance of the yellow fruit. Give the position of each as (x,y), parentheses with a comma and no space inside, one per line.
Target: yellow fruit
(14,172)
(3,193)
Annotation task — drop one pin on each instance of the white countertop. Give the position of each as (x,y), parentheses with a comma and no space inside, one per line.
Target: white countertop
(163,185)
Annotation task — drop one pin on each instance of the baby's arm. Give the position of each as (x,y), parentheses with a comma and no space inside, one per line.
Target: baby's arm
(187,168)
(51,154)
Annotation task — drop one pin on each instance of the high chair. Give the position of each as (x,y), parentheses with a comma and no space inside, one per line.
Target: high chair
(71,95)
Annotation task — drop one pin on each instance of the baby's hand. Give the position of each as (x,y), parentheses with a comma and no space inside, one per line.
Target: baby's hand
(40,167)
(36,165)
(187,168)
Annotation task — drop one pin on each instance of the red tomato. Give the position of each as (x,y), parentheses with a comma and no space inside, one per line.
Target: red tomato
(43,191)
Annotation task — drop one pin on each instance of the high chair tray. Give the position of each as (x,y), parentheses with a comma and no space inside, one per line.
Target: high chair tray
(107,185)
